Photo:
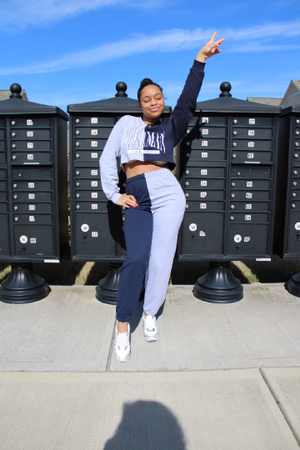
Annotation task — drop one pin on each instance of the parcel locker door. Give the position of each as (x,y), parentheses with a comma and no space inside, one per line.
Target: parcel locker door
(247,240)
(201,234)
(33,240)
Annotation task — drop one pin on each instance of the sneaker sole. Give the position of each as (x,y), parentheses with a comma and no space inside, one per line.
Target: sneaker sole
(150,338)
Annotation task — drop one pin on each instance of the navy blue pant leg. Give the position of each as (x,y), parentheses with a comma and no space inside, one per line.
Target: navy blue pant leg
(138,237)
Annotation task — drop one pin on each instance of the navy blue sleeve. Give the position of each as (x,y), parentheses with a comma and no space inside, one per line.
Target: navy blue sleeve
(186,104)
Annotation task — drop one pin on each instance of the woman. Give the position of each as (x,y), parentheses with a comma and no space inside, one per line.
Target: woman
(154,201)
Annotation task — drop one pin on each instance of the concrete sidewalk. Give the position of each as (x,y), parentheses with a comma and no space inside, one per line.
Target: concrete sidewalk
(220,376)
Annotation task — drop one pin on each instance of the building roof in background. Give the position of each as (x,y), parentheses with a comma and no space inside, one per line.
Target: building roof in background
(5,93)
(265,100)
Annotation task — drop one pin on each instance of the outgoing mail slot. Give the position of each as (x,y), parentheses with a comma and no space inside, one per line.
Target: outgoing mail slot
(31,158)
(251,157)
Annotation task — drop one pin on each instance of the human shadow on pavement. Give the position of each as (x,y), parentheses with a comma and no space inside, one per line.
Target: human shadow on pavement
(147,425)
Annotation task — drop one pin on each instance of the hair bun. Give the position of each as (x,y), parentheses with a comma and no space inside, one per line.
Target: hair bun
(145,82)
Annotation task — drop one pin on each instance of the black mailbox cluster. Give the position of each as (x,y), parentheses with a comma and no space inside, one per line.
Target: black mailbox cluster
(227,171)
(33,168)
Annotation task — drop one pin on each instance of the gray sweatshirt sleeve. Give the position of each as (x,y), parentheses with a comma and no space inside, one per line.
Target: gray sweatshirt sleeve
(108,163)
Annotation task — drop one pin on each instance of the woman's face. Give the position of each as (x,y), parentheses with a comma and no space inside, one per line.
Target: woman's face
(151,102)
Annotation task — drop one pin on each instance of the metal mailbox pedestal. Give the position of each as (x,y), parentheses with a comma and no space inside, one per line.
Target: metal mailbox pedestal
(33,193)
(96,223)
(227,169)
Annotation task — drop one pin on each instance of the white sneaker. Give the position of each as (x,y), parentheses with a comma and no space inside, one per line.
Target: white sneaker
(122,345)
(150,328)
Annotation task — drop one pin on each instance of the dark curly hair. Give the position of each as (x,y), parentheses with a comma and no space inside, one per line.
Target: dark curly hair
(145,82)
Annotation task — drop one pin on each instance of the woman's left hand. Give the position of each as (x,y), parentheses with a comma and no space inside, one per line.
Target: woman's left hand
(210,49)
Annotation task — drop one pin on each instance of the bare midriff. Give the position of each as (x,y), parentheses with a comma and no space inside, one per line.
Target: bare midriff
(138,167)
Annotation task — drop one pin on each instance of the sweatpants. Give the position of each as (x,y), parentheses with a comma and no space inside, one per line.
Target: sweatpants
(151,231)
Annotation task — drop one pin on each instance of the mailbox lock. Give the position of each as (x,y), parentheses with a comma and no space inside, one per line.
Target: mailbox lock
(294,194)
(294,183)
(234,144)
(77,172)
(77,206)
(77,132)
(235,133)
(296,155)
(186,206)
(293,205)
(232,206)
(297,120)
(231,217)
(295,172)
(84,228)
(13,122)
(77,144)
(187,194)
(237,238)
(233,184)
(15,186)
(297,132)
(187,172)
(77,184)
(297,226)
(297,144)
(13,146)
(16,208)
(77,120)
(13,134)
(193,227)
(235,121)
(77,195)
(232,195)
(77,155)
(15,197)
(23,239)
(234,155)
(187,183)
(188,155)
(16,219)
(14,157)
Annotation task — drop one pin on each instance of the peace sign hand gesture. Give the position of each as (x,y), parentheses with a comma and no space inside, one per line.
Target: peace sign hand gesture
(210,49)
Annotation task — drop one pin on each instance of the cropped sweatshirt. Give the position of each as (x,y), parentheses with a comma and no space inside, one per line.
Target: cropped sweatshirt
(131,139)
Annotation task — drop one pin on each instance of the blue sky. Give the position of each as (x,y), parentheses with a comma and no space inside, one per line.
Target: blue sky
(74,51)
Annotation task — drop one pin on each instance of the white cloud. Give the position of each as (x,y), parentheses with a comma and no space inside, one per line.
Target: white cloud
(18,14)
(254,39)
